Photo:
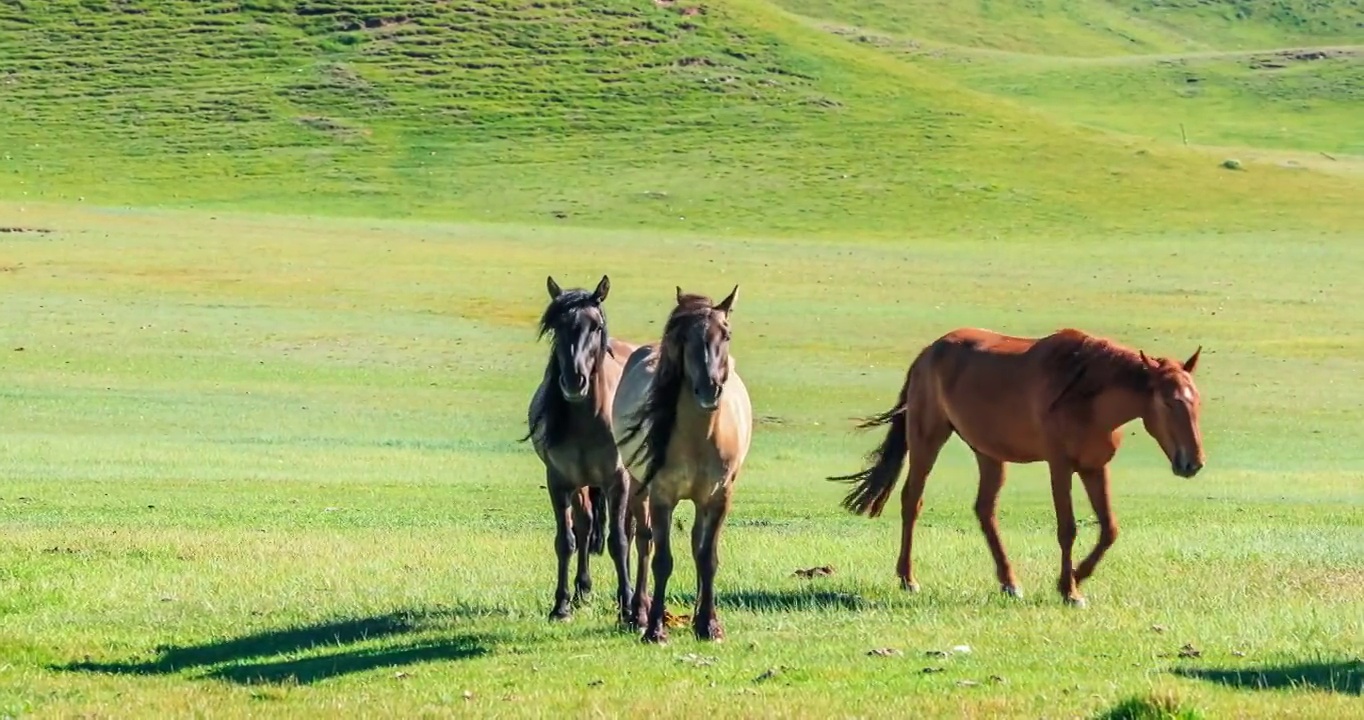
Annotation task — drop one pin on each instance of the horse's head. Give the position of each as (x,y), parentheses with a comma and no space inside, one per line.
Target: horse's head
(578,325)
(1171,414)
(703,345)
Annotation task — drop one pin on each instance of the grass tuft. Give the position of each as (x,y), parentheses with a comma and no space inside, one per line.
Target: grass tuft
(1165,705)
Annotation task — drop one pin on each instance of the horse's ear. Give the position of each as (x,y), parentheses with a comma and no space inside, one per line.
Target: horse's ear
(679,294)
(727,305)
(1192,362)
(1144,360)
(554,290)
(603,288)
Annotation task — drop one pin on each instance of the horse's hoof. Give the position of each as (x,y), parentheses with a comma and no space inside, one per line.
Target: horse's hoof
(560,615)
(711,631)
(1012,591)
(909,586)
(1076,601)
(654,637)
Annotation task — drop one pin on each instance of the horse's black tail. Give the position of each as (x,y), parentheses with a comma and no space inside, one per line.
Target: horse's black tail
(874,484)
(598,511)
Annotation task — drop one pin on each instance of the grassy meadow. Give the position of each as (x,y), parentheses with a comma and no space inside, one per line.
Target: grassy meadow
(270,272)
(247,476)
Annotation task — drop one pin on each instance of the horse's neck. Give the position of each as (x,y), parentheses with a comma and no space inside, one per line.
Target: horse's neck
(692,422)
(602,387)
(1117,407)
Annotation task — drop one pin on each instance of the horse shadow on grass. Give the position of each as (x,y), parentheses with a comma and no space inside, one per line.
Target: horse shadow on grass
(228,659)
(1344,678)
(783,601)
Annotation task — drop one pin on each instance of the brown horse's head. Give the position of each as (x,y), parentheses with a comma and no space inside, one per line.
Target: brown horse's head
(578,325)
(1171,414)
(701,345)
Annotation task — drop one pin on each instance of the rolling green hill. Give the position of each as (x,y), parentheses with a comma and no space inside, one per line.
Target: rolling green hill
(1262,74)
(737,117)
(1101,28)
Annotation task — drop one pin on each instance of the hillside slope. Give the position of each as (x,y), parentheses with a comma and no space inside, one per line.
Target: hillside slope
(1284,75)
(1098,28)
(716,117)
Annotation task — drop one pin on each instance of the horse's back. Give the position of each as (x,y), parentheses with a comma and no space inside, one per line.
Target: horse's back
(990,388)
(635,379)
(976,357)
(979,341)
(621,350)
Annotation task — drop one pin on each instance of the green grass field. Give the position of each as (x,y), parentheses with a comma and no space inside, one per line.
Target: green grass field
(271,269)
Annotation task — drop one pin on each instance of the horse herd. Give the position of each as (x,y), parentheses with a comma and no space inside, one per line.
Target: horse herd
(626,432)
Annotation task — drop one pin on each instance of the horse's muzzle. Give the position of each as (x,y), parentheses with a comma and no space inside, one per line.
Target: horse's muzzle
(1185,466)
(571,393)
(709,401)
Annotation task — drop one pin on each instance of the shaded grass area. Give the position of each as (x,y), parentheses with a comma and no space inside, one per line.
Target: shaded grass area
(239,659)
(1345,677)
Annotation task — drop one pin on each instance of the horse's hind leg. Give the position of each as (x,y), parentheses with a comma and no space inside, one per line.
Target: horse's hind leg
(660,522)
(987,501)
(640,522)
(1096,487)
(705,547)
(584,520)
(619,541)
(928,431)
(597,500)
(561,498)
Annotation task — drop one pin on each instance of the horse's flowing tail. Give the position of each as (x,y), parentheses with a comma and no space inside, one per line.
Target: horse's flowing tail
(874,484)
(596,535)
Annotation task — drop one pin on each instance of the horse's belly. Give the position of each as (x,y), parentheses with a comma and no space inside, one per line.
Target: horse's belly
(582,466)
(1004,436)
(673,487)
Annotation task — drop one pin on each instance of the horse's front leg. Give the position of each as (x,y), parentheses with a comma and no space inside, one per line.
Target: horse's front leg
(561,499)
(1096,486)
(1065,531)
(705,539)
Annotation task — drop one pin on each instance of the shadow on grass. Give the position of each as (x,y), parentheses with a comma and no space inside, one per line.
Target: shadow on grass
(309,670)
(230,654)
(783,600)
(1345,678)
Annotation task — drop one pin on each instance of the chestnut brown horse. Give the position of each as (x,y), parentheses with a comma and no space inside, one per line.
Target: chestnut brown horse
(684,427)
(570,428)
(1061,399)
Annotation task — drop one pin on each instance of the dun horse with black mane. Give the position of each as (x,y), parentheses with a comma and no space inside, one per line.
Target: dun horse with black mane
(1062,399)
(685,423)
(570,427)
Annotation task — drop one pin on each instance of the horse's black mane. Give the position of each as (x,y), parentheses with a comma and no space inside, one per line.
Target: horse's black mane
(549,416)
(659,410)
